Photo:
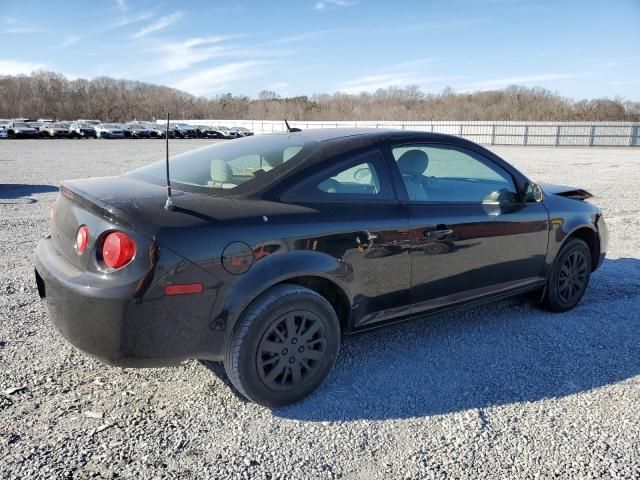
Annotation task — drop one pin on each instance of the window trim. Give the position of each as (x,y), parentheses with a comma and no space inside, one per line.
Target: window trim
(399,182)
(334,166)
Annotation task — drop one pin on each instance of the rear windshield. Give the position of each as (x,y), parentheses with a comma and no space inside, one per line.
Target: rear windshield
(237,167)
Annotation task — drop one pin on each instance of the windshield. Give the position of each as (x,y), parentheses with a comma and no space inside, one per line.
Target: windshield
(111,125)
(86,125)
(22,125)
(240,167)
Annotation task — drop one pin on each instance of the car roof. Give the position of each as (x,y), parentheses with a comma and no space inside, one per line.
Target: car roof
(375,134)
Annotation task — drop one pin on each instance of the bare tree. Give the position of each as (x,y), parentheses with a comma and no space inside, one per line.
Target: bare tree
(50,94)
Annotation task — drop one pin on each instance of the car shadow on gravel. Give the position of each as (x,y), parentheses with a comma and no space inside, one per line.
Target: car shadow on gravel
(497,354)
(10,192)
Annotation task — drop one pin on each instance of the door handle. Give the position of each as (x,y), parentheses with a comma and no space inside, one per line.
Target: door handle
(438,233)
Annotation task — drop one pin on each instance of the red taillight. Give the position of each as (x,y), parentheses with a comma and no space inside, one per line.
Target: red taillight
(82,238)
(118,249)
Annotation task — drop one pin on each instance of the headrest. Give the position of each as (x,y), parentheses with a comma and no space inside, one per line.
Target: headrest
(413,162)
(221,171)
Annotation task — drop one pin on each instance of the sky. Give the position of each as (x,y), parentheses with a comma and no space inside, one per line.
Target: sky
(578,48)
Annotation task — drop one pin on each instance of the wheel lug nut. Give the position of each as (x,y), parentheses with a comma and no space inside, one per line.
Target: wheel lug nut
(285,351)
(294,341)
(301,349)
(292,360)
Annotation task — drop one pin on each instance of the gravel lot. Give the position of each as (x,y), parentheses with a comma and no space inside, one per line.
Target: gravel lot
(501,391)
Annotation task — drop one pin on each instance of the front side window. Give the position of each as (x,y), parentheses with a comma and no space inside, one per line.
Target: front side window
(444,173)
(234,168)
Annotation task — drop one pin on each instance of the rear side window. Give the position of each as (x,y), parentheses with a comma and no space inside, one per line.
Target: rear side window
(362,178)
(240,167)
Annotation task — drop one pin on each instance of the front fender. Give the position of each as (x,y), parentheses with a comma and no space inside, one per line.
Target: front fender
(272,270)
(566,216)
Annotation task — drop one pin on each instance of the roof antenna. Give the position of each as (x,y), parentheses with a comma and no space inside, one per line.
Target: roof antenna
(168,205)
(289,129)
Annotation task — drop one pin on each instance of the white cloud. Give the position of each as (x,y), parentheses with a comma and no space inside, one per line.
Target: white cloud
(626,82)
(70,40)
(324,4)
(128,20)
(314,35)
(371,83)
(527,79)
(399,75)
(217,79)
(180,55)
(122,5)
(21,30)
(160,24)
(15,67)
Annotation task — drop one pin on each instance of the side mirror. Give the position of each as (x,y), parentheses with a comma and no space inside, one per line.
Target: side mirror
(500,197)
(533,193)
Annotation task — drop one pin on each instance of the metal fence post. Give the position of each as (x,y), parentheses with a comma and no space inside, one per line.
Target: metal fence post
(633,133)
(557,135)
(592,135)
(493,134)
(525,139)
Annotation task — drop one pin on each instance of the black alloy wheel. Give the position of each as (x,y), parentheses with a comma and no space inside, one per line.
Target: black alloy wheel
(569,276)
(572,276)
(283,346)
(291,350)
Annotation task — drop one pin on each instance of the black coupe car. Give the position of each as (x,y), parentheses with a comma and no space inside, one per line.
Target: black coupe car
(280,244)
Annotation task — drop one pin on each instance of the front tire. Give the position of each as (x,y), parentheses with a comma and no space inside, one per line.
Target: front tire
(569,276)
(283,347)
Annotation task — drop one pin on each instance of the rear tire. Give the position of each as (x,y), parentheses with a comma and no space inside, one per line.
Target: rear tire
(283,347)
(569,276)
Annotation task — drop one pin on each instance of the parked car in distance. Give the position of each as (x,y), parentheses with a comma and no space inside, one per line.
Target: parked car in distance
(227,133)
(184,130)
(54,130)
(245,132)
(80,129)
(20,129)
(90,122)
(156,130)
(109,130)
(206,131)
(134,130)
(278,245)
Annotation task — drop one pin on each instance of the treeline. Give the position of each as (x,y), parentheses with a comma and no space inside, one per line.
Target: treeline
(51,95)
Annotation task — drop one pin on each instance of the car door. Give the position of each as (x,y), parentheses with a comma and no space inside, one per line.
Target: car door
(360,221)
(471,234)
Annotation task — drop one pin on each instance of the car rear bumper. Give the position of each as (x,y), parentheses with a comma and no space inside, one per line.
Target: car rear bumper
(109,324)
